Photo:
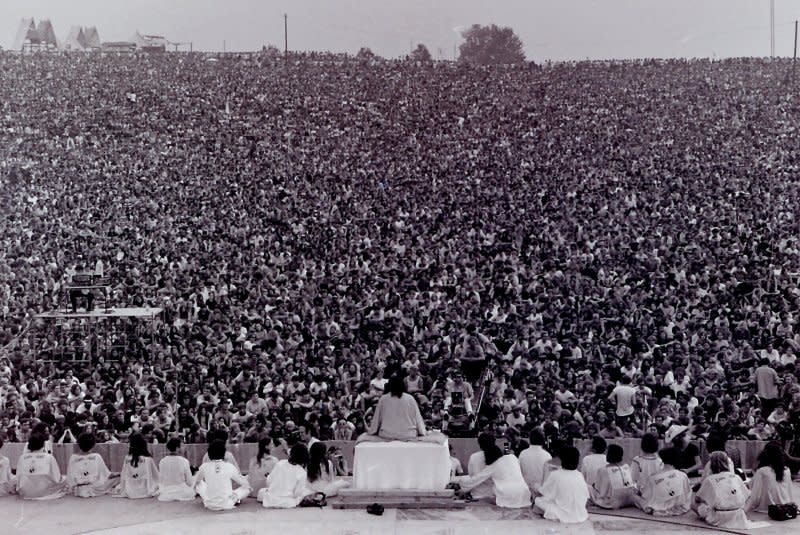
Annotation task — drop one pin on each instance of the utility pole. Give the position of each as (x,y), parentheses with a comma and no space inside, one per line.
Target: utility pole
(772,28)
(285,34)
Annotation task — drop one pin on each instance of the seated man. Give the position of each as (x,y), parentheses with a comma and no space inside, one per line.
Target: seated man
(87,473)
(596,460)
(613,487)
(38,474)
(215,480)
(665,493)
(564,493)
(397,417)
(176,482)
(723,496)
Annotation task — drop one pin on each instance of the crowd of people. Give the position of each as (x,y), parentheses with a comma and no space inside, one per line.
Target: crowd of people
(593,248)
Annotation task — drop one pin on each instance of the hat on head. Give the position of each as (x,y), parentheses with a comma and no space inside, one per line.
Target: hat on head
(674,432)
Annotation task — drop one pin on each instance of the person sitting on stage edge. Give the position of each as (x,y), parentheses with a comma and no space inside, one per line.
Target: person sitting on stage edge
(723,496)
(215,480)
(532,461)
(139,476)
(666,493)
(321,473)
(613,487)
(287,484)
(510,487)
(87,473)
(564,493)
(772,482)
(649,463)
(397,417)
(38,474)
(176,482)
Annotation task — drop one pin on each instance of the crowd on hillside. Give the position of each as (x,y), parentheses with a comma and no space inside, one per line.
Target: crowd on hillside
(588,248)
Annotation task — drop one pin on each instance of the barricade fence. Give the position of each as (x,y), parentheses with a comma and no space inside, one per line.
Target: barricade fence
(114,454)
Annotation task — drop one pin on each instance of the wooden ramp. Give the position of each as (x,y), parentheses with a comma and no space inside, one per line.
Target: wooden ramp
(396,499)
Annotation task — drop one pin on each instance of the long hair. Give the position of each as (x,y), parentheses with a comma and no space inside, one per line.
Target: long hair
(317,461)
(298,455)
(772,456)
(137,448)
(491,451)
(395,386)
(263,449)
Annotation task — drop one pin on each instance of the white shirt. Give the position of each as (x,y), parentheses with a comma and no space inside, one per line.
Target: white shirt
(590,465)
(564,497)
(476,463)
(510,487)
(286,486)
(219,477)
(531,462)
(176,481)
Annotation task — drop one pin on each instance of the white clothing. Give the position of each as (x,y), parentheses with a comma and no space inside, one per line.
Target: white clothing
(138,481)
(7,480)
(88,475)
(590,466)
(229,458)
(286,486)
(39,477)
(613,488)
(328,483)
(476,463)
(667,493)
(258,471)
(175,479)
(510,487)
(724,497)
(564,497)
(531,462)
(215,485)
(765,489)
(644,466)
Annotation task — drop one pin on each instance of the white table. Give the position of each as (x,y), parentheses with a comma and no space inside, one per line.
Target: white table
(401,465)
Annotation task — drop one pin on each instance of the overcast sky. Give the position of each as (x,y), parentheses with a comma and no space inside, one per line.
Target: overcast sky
(550,29)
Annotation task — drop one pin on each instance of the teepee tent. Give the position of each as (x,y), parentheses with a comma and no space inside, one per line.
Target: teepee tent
(47,37)
(92,38)
(76,40)
(25,34)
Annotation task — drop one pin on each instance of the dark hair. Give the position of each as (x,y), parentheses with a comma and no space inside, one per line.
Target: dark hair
(569,458)
(298,455)
(396,386)
(173,444)
(614,454)
(317,461)
(86,442)
(263,449)
(669,456)
(491,452)
(599,444)
(649,443)
(216,450)
(484,440)
(537,437)
(773,456)
(137,448)
(35,442)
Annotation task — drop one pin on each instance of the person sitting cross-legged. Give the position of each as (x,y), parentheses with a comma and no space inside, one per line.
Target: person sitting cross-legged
(613,487)
(139,476)
(215,480)
(564,493)
(175,479)
(722,497)
(38,474)
(87,473)
(665,493)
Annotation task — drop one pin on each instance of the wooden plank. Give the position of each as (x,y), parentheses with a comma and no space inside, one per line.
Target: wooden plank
(367,493)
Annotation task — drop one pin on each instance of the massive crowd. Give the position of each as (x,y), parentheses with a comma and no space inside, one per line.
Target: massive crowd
(589,248)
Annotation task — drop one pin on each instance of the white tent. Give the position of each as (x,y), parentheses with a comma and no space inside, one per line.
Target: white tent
(76,40)
(25,33)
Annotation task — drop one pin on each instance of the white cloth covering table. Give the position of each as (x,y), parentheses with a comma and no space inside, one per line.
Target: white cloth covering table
(401,465)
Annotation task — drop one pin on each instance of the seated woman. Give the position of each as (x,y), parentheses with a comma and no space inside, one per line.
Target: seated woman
(397,417)
(7,481)
(772,482)
(321,472)
(510,488)
(175,479)
(564,493)
(38,474)
(139,476)
(613,487)
(649,463)
(260,467)
(287,484)
(665,493)
(87,473)
(215,480)
(722,496)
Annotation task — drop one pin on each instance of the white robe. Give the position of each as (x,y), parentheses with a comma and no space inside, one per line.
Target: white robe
(564,497)
(138,481)
(613,488)
(175,479)
(510,487)
(286,486)
(667,493)
(258,472)
(7,480)
(229,458)
(766,489)
(724,497)
(644,466)
(476,463)
(215,485)
(328,483)
(39,477)
(532,461)
(88,476)
(590,465)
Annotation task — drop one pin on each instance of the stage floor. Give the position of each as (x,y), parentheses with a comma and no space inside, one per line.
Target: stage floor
(117,516)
